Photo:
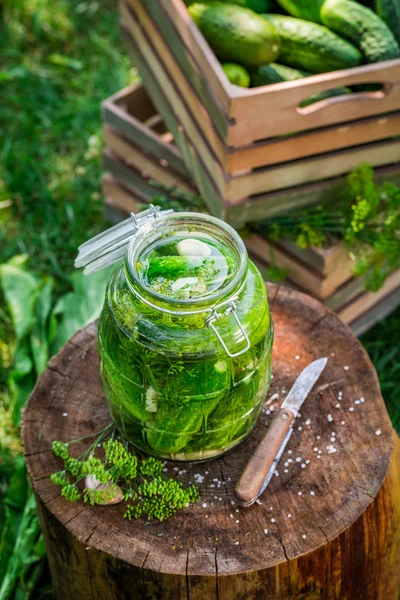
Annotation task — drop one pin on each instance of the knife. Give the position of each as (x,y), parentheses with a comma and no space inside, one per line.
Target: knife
(262,464)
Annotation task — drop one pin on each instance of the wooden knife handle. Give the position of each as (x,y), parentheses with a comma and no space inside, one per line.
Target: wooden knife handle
(260,463)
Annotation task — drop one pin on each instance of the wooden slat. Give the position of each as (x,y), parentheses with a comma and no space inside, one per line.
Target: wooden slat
(186,62)
(274,204)
(311,143)
(311,169)
(167,61)
(149,55)
(188,153)
(119,197)
(378,312)
(310,279)
(369,299)
(134,98)
(199,49)
(129,177)
(273,110)
(139,134)
(324,260)
(142,162)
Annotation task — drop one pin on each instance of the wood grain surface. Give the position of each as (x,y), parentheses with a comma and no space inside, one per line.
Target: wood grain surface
(341,540)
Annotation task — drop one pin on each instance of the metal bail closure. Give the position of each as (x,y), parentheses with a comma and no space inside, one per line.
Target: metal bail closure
(214,316)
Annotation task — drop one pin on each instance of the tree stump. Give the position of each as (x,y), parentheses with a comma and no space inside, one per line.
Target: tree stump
(327,526)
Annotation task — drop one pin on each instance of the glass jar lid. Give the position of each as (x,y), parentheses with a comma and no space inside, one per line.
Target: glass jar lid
(110,246)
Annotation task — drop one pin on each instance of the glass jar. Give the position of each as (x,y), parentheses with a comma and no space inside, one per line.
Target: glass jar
(185,374)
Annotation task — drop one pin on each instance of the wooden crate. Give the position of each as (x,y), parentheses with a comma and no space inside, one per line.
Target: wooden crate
(140,150)
(141,142)
(242,144)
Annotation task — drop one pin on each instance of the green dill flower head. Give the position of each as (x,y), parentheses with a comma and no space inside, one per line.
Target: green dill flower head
(60,478)
(151,466)
(70,492)
(123,463)
(95,467)
(73,465)
(60,449)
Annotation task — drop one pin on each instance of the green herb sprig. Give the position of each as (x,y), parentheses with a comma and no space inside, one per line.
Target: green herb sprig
(366,219)
(145,489)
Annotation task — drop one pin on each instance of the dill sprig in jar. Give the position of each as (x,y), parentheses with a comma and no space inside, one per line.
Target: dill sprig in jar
(185,335)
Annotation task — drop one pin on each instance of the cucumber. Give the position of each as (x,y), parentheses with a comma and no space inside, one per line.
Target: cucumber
(236,34)
(274,73)
(309,10)
(236,74)
(257,6)
(312,47)
(389,12)
(361,25)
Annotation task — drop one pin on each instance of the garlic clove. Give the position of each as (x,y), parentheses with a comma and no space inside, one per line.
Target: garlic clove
(91,483)
(193,247)
(182,282)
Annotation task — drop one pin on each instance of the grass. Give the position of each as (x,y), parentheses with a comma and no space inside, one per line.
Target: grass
(60,60)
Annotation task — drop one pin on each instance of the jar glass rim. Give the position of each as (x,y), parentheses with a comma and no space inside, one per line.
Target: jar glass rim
(138,244)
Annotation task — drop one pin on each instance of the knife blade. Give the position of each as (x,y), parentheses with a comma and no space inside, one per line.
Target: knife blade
(261,466)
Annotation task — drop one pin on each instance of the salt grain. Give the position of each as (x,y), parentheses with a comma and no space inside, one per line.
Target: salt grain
(312,493)
(308,421)
(351,409)
(265,531)
(289,516)
(303,466)
(315,449)
(346,368)
(378,432)
(297,357)
(237,521)
(286,470)
(290,460)
(272,520)
(65,414)
(318,437)
(298,459)
(304,536)
(236,543)
(308,461)
(204,505)
(330,418)
(342,422)
(299,493)
(300,428)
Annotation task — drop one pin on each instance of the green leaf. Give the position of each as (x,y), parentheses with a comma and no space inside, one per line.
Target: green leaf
(39,336)
(20,290)
(14,506)
(25,550)
(81,306)
(20,390)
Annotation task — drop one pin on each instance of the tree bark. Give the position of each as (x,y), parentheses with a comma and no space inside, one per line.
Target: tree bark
(328,525)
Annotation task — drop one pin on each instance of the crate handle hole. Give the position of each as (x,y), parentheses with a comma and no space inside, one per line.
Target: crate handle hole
(338,95)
